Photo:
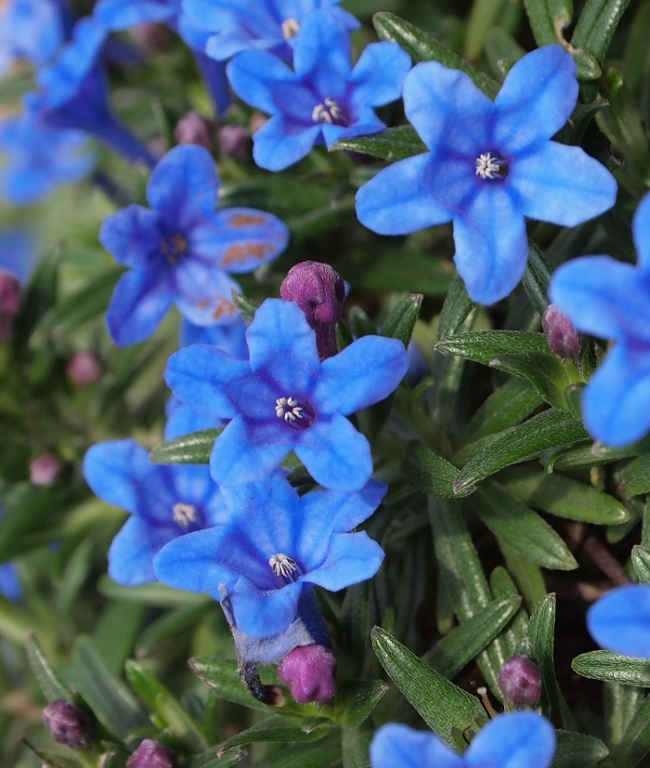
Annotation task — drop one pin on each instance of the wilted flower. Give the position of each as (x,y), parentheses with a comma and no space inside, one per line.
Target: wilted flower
(489,165)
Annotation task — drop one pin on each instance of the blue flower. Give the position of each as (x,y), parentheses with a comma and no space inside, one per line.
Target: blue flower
(514,740)
(230,337)
(490,165)
(9,581)
(39,159)
(74,94)
(182,250)
(620,621)
(285,398)
(324,99)
(18,250)
(611,300)
(32,30)
(273,25)
(274,548)
(165,502)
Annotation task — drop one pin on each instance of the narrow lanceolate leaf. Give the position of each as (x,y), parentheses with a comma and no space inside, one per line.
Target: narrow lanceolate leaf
(562,496)
(221,675)
(422,47)
(442,705)
(521,528)
(548,18)
(641,563)
(484,346)
(430,473)
(542,638)
(400,322)
(577,750)
(551,429)
(536,278)
(455,311)
(323,754)
(547,373)
(50,684)
(635,743)
(194,448)
(596,26)
(209,759)
(506,407)
(503,587)
(355,746)
(393,144)
(356,699)
(634,479)
(278,729)
(613,667)
(461,645)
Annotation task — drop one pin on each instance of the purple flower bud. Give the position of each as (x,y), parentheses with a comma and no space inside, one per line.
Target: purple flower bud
(235,141)
(68,724)
(152,754)
(319,291)
(308,672)
(521,682)
(9,303)
(257,121)
(44,469)
(153,36)
(83,369)
(194,129)
(561,335)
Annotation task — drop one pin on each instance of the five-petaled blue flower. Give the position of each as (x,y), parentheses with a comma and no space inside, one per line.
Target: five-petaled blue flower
(612,300)
(9,582)
(32,30)
(273,25)
(39,159)
(165,502)
(324,99)
(274,548)
(284,398)
(182,249)
(513,740)
(490,165)
(620,621)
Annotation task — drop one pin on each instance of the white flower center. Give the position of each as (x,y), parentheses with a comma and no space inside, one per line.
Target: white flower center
(184,514)
(491,166)
(290,28)
(282,565)
(327,112)
(288,409)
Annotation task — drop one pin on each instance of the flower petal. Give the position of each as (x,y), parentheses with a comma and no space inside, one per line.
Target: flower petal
(641,232)
(352,557)
(133,549)
(491,246)
(204,293)
(397,746)
(279,144)
(252,75)
(347,510)
(513,740)
(264,614)
(138,304)
(181,420)
(536,99)
(362,374)
(122,14)
(620,621)
(378,76)
(562,185)
(198,375)
(116,471)
(132,236)
(336,455)
(248,239)
(323,53)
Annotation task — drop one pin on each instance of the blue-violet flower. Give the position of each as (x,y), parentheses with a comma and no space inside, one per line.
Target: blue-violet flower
(620,621)
(489,165)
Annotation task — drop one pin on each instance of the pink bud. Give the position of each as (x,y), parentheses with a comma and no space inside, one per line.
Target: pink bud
(257,121)
(153,36)
(44,469)
(9,303)
(83,369)
(521,682)
(194,129)
(319,291)
(68,724)
(152,754)
(308,672)
(561,335)
(235,141)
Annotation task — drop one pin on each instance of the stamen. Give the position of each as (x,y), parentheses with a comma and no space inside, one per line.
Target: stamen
(184,514)
(290,28)
(173,247)
(296,414)
(329,112)
(282,565)
(491,166)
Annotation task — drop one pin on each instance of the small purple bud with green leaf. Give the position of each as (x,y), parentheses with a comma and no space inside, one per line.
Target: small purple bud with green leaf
(521,681)
(68,724)
(561,335)
(309,673)
(152,754)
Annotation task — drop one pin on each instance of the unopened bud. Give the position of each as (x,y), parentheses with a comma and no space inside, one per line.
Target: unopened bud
(194,129)
(153,36)
(319,291)
(44,469)
(235,141)
(308,672)
(83,369)
(68,724)
(521,681)
(562,337)
(152,754)
(9,303)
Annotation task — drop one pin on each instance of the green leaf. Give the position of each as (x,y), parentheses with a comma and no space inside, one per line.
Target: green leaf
(455,311)
(635,743)
(548,18)
(451,654)
(399,270)
(393,144)
(246,307)
(541,632)
(641,563)
(222,677)
(169,624)
(547,373)
(482,18)
(428,472)
(356,699)
(194,448)
(550,429)
(209,759)
(159,595)
(422,47)
(506,407)
(536,278)
(442,705)
(71,312)
(596,26)
(112,702)
(613,667)
(400,322)
(577,750)
(621,703)
(50,684)
(527,575)
(521,528)
(323,754)
(484,346)
(278,729)
(503,587)
(634,479)
(49,759)
(356,748)
(39,296)
(563,497)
